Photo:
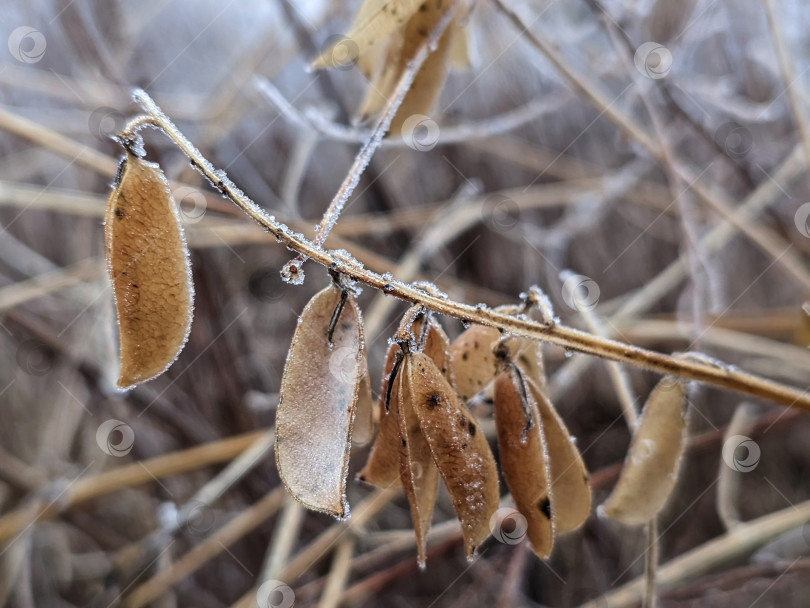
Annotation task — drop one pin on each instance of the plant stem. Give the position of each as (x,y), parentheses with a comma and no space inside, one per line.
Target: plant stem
(566,337)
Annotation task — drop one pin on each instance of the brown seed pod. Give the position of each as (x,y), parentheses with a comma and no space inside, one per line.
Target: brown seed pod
(651,467)
(382,466)
(363,427)
(523,460)
(569,477)
(148,263)
(459,449)
(418,471)
(317,402)
(473,361)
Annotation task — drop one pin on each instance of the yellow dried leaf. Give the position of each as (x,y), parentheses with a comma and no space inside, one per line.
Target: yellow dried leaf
(522,452)
(382,467)
(147,259)
(473,361)
(418,471)
(375,21)
(570,491)
(653,459)
(459,57)
(428,82)
(459,449)
(317,401)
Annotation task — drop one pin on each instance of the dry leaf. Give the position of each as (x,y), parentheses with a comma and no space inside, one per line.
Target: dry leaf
(428,82)
(375,20)
(382,467)
(148,262)
(317,401)
(569,478)
(418,471)
(473,361)
(523,458)
(460,450)
(651,466)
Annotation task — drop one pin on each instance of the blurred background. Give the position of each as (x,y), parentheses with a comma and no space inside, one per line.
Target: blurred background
(623,153)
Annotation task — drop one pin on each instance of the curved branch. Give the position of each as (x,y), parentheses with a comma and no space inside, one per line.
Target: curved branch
(567,337)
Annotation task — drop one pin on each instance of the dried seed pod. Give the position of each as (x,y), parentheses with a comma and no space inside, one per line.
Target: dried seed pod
(523,458)
(569,477)
(363,427)
(317,402)
(418,471)
(382,466)
(148,263)
(437,347)
(473,361)
(459,449)
(651,467)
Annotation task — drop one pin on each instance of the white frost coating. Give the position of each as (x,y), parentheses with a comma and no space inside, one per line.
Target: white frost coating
(539,299)
(292,273)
